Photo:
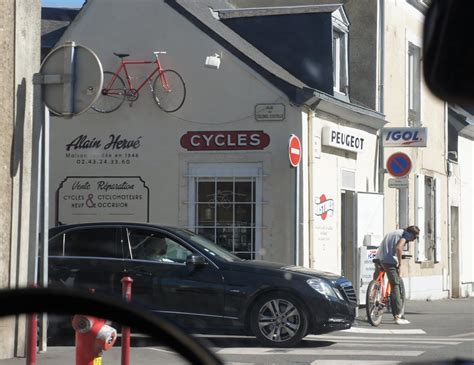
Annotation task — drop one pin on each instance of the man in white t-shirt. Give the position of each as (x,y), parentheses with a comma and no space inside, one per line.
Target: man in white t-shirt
(389,255)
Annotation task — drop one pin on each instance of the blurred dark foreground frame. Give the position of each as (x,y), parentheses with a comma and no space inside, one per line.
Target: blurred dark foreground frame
(70,302)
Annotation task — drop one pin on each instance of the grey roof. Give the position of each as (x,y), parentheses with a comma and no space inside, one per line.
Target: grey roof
(464,120)
(201,11)
(206,13)
(54,22)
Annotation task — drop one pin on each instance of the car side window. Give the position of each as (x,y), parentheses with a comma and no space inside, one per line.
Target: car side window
(57,245)
(155,246)
(93,242)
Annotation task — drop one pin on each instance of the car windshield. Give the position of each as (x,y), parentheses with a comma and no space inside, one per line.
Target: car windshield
(207,245)
(240,164)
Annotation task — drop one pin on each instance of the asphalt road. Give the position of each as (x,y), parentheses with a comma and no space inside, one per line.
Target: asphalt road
(439,330)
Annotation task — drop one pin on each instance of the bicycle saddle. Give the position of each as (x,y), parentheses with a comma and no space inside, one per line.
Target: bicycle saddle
(121,55)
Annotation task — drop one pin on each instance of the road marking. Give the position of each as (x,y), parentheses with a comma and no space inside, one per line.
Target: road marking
(162,350)
(391,340)
(464,335)
(380,331)
(353,362)
(370,344)
(315,352)
(388,339)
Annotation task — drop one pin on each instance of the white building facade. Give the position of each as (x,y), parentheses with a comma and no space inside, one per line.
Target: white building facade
(219,165)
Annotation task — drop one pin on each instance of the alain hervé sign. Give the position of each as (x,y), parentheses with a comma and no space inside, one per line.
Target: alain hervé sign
(112,143)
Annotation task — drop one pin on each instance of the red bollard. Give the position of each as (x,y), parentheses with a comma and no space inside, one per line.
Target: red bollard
(93,336)
(32,339)
(32,336)
(127,295)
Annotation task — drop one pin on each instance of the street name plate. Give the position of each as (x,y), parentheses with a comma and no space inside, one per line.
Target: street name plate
(398,183)
(269,112)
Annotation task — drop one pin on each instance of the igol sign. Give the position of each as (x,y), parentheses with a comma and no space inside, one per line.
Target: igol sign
(404,137)
(343,138)
(225,140)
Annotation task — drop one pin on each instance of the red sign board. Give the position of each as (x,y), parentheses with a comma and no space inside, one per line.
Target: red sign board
(398,164)
(294,150)
(224,140)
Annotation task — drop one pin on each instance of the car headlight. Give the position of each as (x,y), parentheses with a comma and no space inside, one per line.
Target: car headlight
(323,287)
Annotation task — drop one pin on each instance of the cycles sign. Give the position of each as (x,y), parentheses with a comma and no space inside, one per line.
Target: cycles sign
(404,137)
(224,140)
(102,198)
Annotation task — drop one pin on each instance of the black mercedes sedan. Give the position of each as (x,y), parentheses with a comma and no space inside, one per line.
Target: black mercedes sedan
(199,285)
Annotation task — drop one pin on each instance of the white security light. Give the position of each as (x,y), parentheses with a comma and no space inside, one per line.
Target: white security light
(213,61)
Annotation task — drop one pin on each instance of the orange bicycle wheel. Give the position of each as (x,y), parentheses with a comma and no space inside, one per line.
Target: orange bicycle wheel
(374,303)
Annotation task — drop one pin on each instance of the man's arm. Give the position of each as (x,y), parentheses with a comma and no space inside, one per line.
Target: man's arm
(399,251)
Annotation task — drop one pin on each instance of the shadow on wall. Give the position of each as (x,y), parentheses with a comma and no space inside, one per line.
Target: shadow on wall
(19,128)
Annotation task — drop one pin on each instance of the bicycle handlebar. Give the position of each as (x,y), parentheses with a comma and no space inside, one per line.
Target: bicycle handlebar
(159,52)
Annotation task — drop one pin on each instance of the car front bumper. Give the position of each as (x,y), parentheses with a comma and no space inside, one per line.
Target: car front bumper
(328,314)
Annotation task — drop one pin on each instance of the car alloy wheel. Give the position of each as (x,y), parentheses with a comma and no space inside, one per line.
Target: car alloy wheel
(279,320)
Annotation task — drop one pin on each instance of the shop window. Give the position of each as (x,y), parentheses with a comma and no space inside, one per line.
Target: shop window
(428,218)
(414,85)
(226,210)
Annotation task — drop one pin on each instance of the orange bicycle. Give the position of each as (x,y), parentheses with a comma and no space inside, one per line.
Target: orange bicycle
(168,88)
(378,297)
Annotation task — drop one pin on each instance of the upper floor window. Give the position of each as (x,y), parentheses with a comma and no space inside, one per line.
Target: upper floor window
(413,85)
(340,52)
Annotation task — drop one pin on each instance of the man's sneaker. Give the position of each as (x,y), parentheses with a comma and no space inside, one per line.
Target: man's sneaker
(399,320)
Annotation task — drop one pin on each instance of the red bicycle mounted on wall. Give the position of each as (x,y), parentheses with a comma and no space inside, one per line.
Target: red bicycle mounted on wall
(168,88)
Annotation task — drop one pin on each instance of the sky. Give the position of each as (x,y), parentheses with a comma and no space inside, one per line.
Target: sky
(62,3)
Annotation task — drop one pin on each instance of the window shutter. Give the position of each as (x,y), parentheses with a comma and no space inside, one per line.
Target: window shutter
(437,197)
(420,216)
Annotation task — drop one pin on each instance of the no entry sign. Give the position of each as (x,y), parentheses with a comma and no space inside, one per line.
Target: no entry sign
(294,150)
(398,164)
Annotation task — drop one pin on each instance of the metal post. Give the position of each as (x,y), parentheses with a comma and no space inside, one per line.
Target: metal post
(39,194)
(127,295)
(44,223)
(297,214)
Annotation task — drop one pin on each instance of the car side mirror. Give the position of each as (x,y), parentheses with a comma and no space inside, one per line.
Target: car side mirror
(196,260)
(448,54)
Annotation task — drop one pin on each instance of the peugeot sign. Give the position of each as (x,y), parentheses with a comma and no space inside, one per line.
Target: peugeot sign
(404,137)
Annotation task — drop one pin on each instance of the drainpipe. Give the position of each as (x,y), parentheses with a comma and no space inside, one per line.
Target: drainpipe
(381,52)
(310,144)
(448,198)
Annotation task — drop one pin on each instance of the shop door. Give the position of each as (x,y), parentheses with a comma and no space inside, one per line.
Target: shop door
(369,234)
(348,243)
(455,251)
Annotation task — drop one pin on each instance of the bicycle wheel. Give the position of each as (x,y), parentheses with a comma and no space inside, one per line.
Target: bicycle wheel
(372,303)
(112,98)
(169,91)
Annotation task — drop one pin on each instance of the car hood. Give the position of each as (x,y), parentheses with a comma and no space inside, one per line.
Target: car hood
(268,267)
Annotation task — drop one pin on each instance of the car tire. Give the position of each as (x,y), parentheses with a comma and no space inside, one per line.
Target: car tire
(278,320)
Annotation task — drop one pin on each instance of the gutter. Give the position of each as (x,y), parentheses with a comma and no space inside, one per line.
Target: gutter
(352,113)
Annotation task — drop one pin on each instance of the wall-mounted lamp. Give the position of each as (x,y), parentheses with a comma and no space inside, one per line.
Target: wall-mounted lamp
(213,61)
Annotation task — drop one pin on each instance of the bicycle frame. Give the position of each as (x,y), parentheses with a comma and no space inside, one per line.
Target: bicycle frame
(386,289)
(123,66)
